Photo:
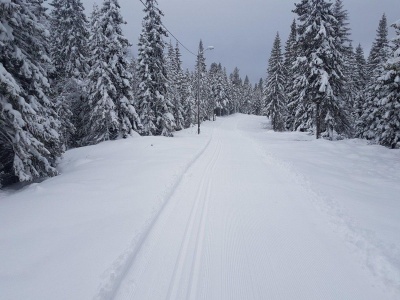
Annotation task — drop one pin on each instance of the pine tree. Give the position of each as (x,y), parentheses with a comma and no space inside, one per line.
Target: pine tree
(29,139)
(380,49)
(247,96)
(375,67)
(290,58)
(110,96)
(347,91)
(174,72)
(320,78)
(382,119)
(69,37)
(189,100)
(202,82)
(236,91)
(219,98)
(154,107)
(258,98)
(275,97)
(360,80)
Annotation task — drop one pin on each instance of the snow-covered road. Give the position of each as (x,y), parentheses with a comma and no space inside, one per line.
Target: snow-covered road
(239,212)
(236,227)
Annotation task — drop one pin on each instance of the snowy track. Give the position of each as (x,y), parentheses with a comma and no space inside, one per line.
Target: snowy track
(235,228)
(239,212)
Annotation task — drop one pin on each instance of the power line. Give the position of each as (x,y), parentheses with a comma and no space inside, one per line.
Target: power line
(172,34)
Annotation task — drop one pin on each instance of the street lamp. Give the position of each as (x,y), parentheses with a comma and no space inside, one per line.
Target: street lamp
(198,85)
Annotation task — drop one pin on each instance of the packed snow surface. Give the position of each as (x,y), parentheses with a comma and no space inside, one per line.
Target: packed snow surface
(239,212)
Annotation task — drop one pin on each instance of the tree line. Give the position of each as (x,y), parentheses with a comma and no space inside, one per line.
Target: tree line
(322,85)
(68,81)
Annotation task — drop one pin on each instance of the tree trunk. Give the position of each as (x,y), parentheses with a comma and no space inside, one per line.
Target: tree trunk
(318,121)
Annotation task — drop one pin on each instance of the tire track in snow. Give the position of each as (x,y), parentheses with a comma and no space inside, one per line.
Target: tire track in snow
(195,228)
(119,269)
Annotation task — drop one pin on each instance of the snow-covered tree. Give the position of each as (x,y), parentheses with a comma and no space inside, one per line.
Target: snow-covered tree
(382,119)
(375,67)
(189,100)
(247,96)
(236,90)
(257,106)
(69,52)
(202,83)
(290,58)
(275,97)
(380,49)
(29,139)
(360,80)
(346,92)
(109,91)
(174,72)
(154,107)
(320,78)
(219,98)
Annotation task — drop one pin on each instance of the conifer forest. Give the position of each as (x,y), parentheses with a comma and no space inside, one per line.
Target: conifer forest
(67,80)
(139,162)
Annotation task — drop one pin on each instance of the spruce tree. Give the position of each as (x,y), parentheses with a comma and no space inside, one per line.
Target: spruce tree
(69,53)
(346,91)
(375,67)
(29,126)
(189,100)
(109,90)
(380,49)
(258,98)
(382,119)
(155,109)
(201,82)
(247,97)
(320,78)
(174,72)
(360,80)
(236,84)
(290,58)
(218,92)
(275,97)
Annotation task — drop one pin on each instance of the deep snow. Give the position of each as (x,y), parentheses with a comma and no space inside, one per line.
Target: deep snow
(239,212)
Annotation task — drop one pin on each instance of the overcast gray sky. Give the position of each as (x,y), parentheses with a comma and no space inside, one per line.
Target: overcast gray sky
(242,31)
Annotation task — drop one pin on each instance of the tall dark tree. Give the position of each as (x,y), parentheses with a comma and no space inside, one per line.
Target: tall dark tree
(320,79)
(155,109)
(29,126)
(275,97)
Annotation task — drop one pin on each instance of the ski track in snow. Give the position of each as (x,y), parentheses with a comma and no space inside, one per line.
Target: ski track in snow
(189,250)
(113,277)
